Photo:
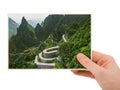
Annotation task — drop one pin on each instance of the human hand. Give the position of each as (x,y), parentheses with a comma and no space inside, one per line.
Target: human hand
(102,68)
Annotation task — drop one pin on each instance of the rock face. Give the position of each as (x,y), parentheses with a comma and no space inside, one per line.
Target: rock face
(39,32)
(34,22)
(26,33)
(24,38)
(12,27)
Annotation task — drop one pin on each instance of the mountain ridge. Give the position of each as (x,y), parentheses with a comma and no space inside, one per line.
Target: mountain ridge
(30,41)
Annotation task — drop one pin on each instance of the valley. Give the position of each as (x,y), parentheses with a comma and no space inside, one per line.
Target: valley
(54,44)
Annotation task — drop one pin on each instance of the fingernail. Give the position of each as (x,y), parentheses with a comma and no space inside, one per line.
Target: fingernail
(80,56)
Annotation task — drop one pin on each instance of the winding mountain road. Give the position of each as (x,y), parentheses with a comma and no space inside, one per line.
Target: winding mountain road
(44,59)
(47,55)
(43,65)
(47,52)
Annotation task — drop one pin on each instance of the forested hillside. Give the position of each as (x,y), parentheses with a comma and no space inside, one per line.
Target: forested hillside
(30,41)
(79,42)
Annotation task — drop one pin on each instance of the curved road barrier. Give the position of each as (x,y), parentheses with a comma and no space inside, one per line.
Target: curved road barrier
(47,55)
(63,36)
(43,59)
(43,65)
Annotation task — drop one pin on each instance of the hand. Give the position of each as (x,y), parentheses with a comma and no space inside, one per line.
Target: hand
(102,68)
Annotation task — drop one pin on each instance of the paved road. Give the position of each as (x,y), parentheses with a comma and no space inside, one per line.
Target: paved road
(51,50)
(44,56)
(63,36)
(43,65)
(43,59)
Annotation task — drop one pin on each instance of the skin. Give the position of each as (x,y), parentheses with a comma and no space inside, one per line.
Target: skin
(102,68)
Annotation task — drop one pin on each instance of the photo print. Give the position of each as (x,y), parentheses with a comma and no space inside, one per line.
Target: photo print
(48,41)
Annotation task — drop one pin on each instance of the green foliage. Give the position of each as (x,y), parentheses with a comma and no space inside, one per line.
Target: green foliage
(79,42)
(42,46)
(58,65)
(50,23)
(24,59)
(22,65)
(29,41)
(39,32)
(49,42)
(39,58)
(56,35)
(50,61)
(25,37)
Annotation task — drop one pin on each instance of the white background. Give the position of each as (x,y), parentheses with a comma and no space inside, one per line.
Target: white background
(105,38)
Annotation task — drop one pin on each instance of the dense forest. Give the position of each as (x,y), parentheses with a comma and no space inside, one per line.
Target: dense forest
(29,41)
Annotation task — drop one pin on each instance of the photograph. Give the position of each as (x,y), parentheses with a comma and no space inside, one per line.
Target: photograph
(48,41)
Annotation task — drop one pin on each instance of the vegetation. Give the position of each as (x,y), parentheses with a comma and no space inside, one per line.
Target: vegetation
(21,47)
(39,31)
(29,41)
(79,42)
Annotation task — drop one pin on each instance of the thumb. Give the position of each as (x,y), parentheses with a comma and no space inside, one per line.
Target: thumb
(89,64)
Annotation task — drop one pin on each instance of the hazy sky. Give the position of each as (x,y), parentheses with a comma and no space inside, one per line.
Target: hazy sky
(18,17)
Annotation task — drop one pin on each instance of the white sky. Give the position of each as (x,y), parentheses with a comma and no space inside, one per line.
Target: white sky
(18,17)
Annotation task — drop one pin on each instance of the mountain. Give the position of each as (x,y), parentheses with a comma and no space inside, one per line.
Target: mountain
(50,23)
(24,38)
(39,32)
(57,25)
(34,22)
(12,27)
(79,42)
(30,41)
